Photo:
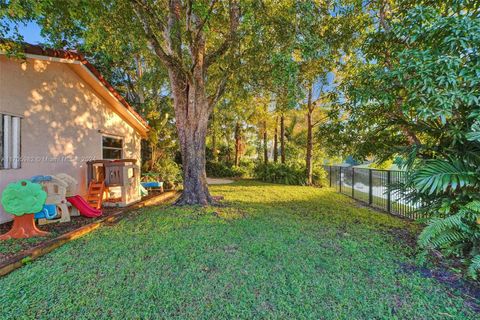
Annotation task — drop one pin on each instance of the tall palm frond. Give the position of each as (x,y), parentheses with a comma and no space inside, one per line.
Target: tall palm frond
(438,175)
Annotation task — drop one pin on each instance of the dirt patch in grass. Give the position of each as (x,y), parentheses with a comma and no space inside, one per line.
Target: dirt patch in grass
(403,235)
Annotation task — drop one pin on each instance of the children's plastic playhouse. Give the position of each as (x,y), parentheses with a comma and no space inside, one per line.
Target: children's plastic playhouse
(120,178)
(56,190)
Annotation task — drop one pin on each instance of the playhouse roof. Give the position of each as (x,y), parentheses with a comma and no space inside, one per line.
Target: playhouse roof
(69,56)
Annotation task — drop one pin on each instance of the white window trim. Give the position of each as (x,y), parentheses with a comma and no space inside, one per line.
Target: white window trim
(16,142)
(11,143)
(7,146)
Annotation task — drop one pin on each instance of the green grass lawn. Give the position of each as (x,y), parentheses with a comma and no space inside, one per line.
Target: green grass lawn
(270,252)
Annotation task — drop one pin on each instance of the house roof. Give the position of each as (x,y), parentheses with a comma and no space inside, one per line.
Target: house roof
(69,55)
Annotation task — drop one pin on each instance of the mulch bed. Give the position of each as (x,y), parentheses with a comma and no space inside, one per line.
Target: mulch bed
(10,248)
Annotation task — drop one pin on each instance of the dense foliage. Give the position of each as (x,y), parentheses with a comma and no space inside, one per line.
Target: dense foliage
(219,169)
(289,174)
(444,91)
(440,76)
(418,95)
(166,170)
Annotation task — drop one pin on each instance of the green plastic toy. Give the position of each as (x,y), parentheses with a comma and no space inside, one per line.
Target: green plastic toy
(23,199)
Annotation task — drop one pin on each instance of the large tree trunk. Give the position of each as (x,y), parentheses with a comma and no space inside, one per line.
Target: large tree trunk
(308,159)
(275,142)
(195,189)
(282,139)
(192,112)
(184,54)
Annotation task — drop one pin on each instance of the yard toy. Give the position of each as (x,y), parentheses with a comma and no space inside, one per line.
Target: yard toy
(40,178)
(121,180)
(96,191)
(70,182)
(56,194)
(23,199)
(152,184)
(49,211)
(143,191)
(85,209)
(70,192)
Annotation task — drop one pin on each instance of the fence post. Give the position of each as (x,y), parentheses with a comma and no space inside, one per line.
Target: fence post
(389,200)
(340,179)
(353,182)
(370,186)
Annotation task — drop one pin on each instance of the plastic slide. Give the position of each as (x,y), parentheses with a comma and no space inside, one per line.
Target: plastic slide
(83,207)
(143,191)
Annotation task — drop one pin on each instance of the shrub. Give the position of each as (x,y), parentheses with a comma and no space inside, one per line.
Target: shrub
(384,165)
(165,170)
(218,169)
(280,173)
(292,174)
(320,177)
(449,190)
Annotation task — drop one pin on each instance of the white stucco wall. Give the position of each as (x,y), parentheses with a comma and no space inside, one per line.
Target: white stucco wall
(62,117)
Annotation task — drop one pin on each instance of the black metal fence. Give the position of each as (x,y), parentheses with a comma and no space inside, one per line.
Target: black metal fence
(371,187)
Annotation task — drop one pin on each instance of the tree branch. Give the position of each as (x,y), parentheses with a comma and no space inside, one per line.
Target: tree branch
(316,123)
(172,31)
(230,38)
(195,36)
(139,7)
(213,99)
(204,21)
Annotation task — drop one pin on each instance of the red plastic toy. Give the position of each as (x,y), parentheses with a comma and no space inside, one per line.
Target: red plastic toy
(83,207)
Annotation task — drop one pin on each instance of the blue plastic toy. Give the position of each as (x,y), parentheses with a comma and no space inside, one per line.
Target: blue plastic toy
(153,184)
(40,178)
(49,212)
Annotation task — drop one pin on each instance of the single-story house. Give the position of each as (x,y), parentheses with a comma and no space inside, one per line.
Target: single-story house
(56,113)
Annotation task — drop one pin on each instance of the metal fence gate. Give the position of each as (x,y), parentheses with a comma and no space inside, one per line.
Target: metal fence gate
(371,187)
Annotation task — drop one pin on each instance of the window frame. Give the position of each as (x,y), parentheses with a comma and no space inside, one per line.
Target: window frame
(122,139)
(1,141)
(11,138)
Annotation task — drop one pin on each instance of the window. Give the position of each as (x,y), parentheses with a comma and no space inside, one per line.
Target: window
(112,148)
(9,141)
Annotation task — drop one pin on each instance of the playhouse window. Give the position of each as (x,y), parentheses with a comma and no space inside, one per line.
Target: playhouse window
(112,148)
(10,141)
